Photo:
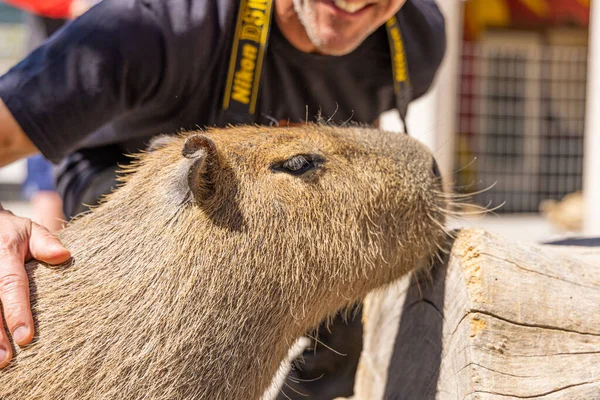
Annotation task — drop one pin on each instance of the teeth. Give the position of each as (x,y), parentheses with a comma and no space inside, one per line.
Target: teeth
(351,7)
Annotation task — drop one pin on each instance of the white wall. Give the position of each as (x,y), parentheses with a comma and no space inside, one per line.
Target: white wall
(591,158)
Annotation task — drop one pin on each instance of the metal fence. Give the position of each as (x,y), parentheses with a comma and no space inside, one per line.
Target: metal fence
(521,122)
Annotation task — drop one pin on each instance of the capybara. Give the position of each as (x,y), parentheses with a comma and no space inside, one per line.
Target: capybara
(220,249)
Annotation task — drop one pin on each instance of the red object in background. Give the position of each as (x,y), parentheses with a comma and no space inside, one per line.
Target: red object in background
(523,14)
(554,12)
(47,8)
(482,14)
(569,11)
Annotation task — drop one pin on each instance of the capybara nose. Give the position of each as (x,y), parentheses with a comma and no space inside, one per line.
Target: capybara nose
(436,169)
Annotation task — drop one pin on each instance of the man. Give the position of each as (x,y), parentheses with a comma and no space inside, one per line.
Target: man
(130,69)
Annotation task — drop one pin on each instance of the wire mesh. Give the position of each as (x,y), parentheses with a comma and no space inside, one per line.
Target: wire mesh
(521,122)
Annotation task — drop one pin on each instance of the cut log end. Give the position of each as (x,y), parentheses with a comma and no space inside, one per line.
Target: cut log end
(500,320)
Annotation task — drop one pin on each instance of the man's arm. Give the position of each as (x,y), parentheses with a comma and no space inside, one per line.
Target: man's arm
(97,68)
(120,56)
(14,144)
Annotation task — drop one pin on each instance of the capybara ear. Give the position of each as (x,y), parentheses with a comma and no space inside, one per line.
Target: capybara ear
(160,141)
(202,152)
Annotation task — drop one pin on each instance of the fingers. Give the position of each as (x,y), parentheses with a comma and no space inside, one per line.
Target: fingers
(45,247)
(14,284)
(5,349)
(14,293)
(20,239)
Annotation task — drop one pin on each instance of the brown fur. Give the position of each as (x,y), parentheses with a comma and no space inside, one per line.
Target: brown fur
(175,293)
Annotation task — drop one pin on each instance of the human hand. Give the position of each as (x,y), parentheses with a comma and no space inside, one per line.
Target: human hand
(21,240)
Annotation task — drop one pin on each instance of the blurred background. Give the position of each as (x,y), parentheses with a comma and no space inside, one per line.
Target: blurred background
(13,41)
(511,115)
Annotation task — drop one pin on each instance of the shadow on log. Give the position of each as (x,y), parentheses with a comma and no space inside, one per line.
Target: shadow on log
(417,350)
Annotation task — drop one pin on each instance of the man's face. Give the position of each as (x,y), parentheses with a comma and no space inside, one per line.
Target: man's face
(336,27)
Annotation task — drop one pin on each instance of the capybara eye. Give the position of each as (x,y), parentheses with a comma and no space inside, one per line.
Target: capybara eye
(295,165)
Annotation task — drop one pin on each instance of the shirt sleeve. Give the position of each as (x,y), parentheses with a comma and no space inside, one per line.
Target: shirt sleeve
(120,56)
(47,8)
(424,35)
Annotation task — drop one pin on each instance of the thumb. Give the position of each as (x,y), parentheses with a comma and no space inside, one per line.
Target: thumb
(46,247)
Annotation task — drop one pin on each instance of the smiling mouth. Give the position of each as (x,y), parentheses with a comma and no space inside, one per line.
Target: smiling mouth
(352,7)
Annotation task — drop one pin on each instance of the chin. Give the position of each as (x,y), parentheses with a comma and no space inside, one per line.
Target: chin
(336,44)
(338,48)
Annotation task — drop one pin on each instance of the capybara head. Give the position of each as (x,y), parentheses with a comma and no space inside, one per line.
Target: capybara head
(222,247)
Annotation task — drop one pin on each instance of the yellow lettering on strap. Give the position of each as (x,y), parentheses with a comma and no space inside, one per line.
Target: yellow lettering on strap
(247,53)
(397,50)
(399,69)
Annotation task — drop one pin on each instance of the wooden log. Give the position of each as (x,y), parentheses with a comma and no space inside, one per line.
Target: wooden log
(499,320)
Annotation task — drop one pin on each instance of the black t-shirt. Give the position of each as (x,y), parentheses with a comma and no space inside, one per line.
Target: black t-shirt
(131,69)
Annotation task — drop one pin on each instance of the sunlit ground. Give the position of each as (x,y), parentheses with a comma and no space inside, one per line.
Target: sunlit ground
(530,228)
